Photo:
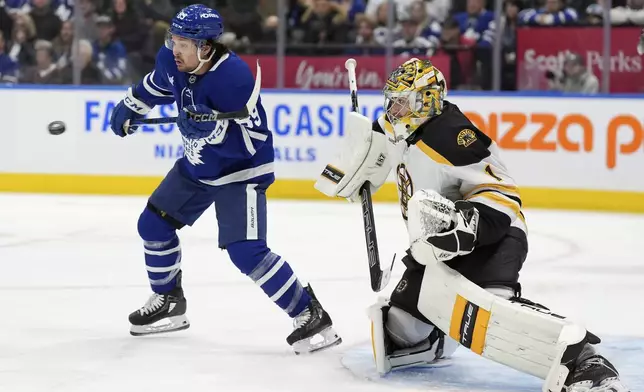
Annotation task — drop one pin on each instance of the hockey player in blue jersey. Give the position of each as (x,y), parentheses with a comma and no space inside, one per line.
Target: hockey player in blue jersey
(228,163)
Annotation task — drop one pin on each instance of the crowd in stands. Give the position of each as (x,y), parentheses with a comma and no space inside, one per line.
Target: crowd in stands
(118,39)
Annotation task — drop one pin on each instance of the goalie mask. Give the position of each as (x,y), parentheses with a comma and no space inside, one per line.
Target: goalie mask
(414,93)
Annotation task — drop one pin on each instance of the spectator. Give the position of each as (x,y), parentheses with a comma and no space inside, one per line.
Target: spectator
(351,9)
(382,32)
(295,11)
(46,21)
(632,14)
(594,15)
(155,40)
(45,71)
(6,22)
(410,43)
(62,45)
(64,9)
(461,61)
(438,10)
(18,6)
(109,53)
(323,23)
(271,24)
(155,10)
(476,24)
(87,28)
(90,75)
(127,26)
(373,8)
(364,39)
(242,18)
(555,13)
(575,78)
(428,26)
(509,23)
(21,47)
(8,67)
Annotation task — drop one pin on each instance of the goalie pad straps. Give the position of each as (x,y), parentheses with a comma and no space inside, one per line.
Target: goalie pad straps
(362,158)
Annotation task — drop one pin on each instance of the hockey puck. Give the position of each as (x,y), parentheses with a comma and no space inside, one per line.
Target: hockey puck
(56,127)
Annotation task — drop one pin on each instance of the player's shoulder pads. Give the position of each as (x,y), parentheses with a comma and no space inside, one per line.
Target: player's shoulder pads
(451,139)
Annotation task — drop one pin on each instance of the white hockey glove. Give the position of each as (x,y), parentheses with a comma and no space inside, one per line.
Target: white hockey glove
(363,157)
(439,229)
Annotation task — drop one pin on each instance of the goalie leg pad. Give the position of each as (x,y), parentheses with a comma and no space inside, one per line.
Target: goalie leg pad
(518,334)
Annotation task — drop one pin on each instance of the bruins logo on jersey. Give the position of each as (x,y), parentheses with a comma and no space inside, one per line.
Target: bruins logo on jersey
(466,137)
(405,188)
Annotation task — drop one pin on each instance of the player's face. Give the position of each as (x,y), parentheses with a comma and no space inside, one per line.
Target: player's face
(185,54)
(397,108)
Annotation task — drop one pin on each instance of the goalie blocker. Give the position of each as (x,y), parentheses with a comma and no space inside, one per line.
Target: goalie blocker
(363,158)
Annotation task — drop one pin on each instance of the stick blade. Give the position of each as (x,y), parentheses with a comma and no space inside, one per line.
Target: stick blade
(381,276)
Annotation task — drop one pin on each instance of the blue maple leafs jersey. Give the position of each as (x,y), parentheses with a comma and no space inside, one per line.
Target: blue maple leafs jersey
(236,150)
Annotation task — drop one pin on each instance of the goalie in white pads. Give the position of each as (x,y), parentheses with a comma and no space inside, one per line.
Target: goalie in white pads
(468,242)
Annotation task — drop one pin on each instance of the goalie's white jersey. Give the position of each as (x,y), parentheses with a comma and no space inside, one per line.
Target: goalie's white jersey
(449,155)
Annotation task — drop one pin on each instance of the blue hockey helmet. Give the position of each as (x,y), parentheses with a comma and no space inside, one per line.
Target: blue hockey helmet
(197,22)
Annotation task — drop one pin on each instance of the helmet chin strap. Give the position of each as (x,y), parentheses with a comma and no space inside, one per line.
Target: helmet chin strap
(202,61)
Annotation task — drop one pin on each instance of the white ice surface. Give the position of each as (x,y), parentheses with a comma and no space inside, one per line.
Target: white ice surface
(72,269)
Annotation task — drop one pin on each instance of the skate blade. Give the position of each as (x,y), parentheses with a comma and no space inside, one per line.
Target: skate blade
(170,324)
(329,338)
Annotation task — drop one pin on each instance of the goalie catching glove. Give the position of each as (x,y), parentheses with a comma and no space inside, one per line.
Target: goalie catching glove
(362,158)
(440,229)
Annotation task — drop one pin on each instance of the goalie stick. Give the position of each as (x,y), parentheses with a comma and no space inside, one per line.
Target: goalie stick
(215,115)
(379,276)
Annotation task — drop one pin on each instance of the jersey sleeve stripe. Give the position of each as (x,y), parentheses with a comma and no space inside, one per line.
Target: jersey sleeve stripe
(499,202)
(257,135)
(433,154)
(152,90)
(242,175)
(156,85)
(508,190)
(247,142)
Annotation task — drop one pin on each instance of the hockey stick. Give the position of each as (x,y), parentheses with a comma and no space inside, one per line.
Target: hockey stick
(215,115)
(379,276)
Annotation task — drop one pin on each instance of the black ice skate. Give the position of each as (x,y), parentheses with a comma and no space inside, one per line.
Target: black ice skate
(595,374)
(162,313)
(313,321)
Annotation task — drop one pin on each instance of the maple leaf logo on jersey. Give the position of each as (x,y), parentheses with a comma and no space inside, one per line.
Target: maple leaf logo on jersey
(171,79)
(193,147)
(466,137)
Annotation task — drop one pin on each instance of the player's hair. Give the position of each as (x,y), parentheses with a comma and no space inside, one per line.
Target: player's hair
(219,48)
